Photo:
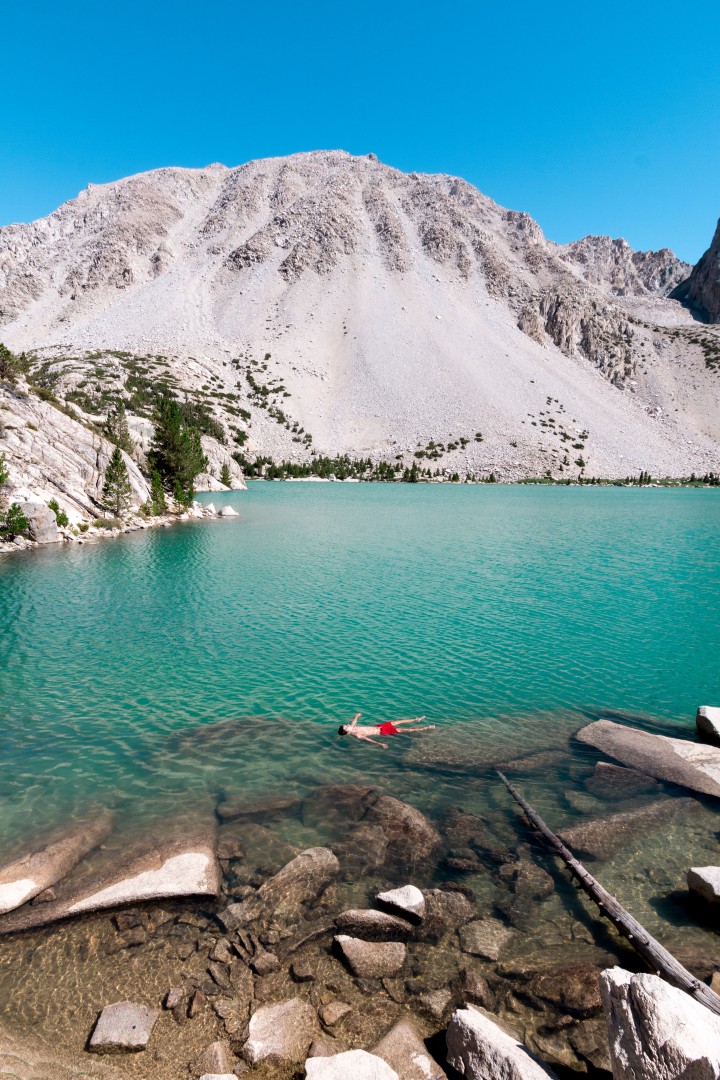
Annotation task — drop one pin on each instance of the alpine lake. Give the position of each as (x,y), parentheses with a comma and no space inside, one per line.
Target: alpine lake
(171,670)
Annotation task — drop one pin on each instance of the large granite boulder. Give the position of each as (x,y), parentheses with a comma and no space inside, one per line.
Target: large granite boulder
(182,862)
(704,881)
(601,838)
(657,1032)
(482,1050)
(410,838)
(404,1051)
(617,781)
(122,1028)
(50,860)
(280,1035)
(707,722)
(300,882)
(42,522)
(350,1065)
(689,764)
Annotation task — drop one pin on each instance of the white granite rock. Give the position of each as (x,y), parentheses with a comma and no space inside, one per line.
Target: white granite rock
(36,871)
(352,1065)
(404,1051)
(657,1032)
(42,524)
(121,1027)
(281,1034)
(689,764)
(707,722)
(482,1050)
(228,512)
(168,864)
(408,900)
(705,881)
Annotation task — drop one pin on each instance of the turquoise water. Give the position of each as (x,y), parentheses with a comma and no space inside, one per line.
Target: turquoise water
(507,615)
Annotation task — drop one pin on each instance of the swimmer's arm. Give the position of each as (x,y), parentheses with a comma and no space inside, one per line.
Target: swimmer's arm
(366,738)
(355,719)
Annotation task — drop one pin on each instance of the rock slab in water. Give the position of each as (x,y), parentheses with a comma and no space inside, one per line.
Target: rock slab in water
(707,722)
(485,937)
(657,1032)
(228,512)
(281,1034)
(481,1050)
(373,925)
(692,765)
(300,882)
(408,900)
(613,780)
(351,1065)
(601,838)
(123,1027)
(183,865)
(372,960)
(30,875)
(705,882)
(404,1051)
(215,1059)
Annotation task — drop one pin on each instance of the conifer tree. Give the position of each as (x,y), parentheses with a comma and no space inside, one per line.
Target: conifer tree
(116,428)
(176,452)
(116,489)
(225,477)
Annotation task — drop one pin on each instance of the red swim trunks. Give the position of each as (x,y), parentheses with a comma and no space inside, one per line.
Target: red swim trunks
(388,729)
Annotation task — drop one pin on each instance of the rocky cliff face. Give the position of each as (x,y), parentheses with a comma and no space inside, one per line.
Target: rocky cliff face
(328,302)
(701,289)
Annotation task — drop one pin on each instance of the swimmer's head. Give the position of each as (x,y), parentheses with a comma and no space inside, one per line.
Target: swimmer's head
(343,729)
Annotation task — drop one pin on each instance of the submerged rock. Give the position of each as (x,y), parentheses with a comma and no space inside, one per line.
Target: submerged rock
(262,811)
(281,1034)
(183,865)
(657,1032)
(350,1065)
(601,838)
(704,881)
(486,938)
(612,780)
(410,837)
(707,722)
(217,1058)
(482,1050)
(32,874)
(300,882)
(123,1027)
(692,765)
(369,959)
(404,1051)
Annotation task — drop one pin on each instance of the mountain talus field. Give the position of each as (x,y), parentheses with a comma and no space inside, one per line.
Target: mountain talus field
(331,304)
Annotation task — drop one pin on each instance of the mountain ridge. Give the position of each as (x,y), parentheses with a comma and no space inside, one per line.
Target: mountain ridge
(394,310)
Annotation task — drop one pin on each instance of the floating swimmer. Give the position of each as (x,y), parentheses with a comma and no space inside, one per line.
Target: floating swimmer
(366,731)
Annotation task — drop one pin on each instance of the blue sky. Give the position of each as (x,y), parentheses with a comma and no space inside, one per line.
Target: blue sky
(595,118)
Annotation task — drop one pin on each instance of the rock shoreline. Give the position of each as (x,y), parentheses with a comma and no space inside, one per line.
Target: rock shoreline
(356,958)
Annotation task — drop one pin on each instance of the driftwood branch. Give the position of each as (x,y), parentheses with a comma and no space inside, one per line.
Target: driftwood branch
(658,959)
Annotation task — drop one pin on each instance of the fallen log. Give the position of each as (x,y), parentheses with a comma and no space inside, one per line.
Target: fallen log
(659,960)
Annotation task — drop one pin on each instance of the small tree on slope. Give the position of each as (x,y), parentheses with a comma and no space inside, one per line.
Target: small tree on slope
(116,489)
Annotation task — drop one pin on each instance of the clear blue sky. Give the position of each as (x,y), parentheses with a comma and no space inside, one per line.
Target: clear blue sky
(595,118)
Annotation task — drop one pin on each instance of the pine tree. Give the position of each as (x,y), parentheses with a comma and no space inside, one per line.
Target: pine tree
(156,504)
(225,477)
(4,474)
(116,428)
(13,523)
(176,452)
(116,489)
